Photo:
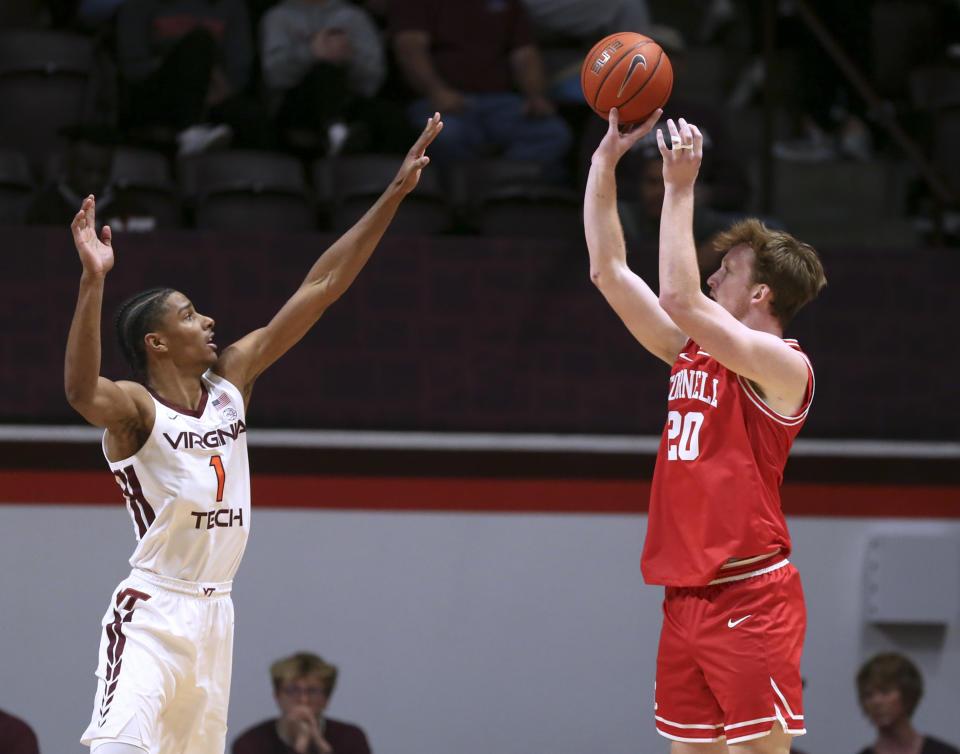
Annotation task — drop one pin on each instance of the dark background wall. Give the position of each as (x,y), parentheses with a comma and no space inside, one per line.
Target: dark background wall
(454,333)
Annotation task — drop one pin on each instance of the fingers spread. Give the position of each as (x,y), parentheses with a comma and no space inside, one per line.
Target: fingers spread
(697,140)
(661,144)
(674,132)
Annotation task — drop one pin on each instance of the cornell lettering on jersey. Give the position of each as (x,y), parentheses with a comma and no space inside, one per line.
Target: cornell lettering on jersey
(221,517)
(215,438)
(689,383)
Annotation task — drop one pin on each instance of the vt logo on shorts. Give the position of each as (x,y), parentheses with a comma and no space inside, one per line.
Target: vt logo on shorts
(731,623)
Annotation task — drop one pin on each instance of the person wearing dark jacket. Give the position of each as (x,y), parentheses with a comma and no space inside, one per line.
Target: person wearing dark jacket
(302,686)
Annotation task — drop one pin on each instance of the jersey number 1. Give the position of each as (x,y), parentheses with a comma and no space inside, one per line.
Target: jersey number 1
(687,428)
(217,464)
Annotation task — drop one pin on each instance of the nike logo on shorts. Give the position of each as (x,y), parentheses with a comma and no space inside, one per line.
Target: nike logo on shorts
(731,623)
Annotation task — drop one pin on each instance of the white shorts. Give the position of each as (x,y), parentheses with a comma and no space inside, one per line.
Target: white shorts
(163,675)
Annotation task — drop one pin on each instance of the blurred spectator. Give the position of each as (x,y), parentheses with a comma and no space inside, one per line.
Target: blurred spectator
(587,20)
(724,184)
(323,63)
(84,170)
(641,200)
(302,686)
(187,64)
(24,14)
(889,687)
(567,29)
(462,60)
(16,737)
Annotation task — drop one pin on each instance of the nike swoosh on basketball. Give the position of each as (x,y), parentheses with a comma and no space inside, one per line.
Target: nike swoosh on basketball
(731,623)
(638,59)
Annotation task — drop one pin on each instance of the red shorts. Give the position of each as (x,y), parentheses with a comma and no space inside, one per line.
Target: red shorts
(729,659)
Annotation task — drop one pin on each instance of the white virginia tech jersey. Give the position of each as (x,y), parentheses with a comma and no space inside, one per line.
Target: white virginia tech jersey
(188,488)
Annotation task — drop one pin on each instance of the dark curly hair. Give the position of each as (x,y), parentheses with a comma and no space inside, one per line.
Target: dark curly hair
(137,316)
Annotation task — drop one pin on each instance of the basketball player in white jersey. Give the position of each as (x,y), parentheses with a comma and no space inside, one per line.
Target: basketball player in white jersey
(176,443)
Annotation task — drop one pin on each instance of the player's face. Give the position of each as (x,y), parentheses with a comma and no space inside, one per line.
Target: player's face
(732,284)
(308,691)
(187,334)
(883,705)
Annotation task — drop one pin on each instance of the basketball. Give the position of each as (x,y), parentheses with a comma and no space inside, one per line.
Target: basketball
(628,71)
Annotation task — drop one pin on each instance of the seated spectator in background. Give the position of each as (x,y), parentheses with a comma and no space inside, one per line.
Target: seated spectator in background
(186,65)
(323,63)
(85,169)
(16,737)
(724,184)
(589,20)
(889,687)
(302,686)
(462,60)
(640,199)
(567,29)
(24,14)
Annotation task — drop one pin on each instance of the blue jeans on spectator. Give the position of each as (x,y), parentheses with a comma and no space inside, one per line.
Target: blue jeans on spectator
(494,124)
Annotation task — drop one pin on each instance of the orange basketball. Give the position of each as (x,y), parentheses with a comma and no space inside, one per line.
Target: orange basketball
(628,71)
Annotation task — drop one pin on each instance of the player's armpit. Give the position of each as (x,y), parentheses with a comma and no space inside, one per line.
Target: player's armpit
(109,403)
(780,372)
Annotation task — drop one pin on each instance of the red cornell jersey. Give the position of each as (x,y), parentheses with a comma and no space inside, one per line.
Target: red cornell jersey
(716,485)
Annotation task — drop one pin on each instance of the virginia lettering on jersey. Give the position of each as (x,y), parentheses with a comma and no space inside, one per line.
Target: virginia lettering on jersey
(692,383)
(215,438)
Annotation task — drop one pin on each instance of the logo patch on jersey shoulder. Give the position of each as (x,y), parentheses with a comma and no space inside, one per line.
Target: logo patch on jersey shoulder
(223,404)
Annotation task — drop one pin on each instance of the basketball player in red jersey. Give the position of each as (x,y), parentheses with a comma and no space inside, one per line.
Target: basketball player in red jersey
(728,666)
(176,443)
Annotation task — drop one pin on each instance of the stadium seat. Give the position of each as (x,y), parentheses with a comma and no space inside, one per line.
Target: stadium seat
(43,86)
(240,189)
(509,198)
(349,185)
(144,178)
(16,187)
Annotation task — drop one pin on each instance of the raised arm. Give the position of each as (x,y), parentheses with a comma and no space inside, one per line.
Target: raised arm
(624,290)
(330,276)
(117,406)
(757,352)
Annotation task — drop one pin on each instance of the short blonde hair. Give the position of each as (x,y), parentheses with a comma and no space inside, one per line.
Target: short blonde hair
(790,267)
(303,665)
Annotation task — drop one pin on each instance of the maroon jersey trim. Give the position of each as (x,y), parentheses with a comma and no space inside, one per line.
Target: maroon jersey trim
(180,409)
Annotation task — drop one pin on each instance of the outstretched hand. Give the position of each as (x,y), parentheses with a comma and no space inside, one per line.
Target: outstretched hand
(617,143)
(681,162)
(416,160)
(96,254)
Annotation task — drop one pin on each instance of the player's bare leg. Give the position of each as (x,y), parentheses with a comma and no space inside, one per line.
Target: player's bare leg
(713,747)
(776,742)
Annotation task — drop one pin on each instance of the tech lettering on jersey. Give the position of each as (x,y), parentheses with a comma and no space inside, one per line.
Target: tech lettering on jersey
(215,438)
(224,517)
(692,383)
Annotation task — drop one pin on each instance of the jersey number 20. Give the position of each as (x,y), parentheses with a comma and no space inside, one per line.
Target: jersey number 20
(687,428)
